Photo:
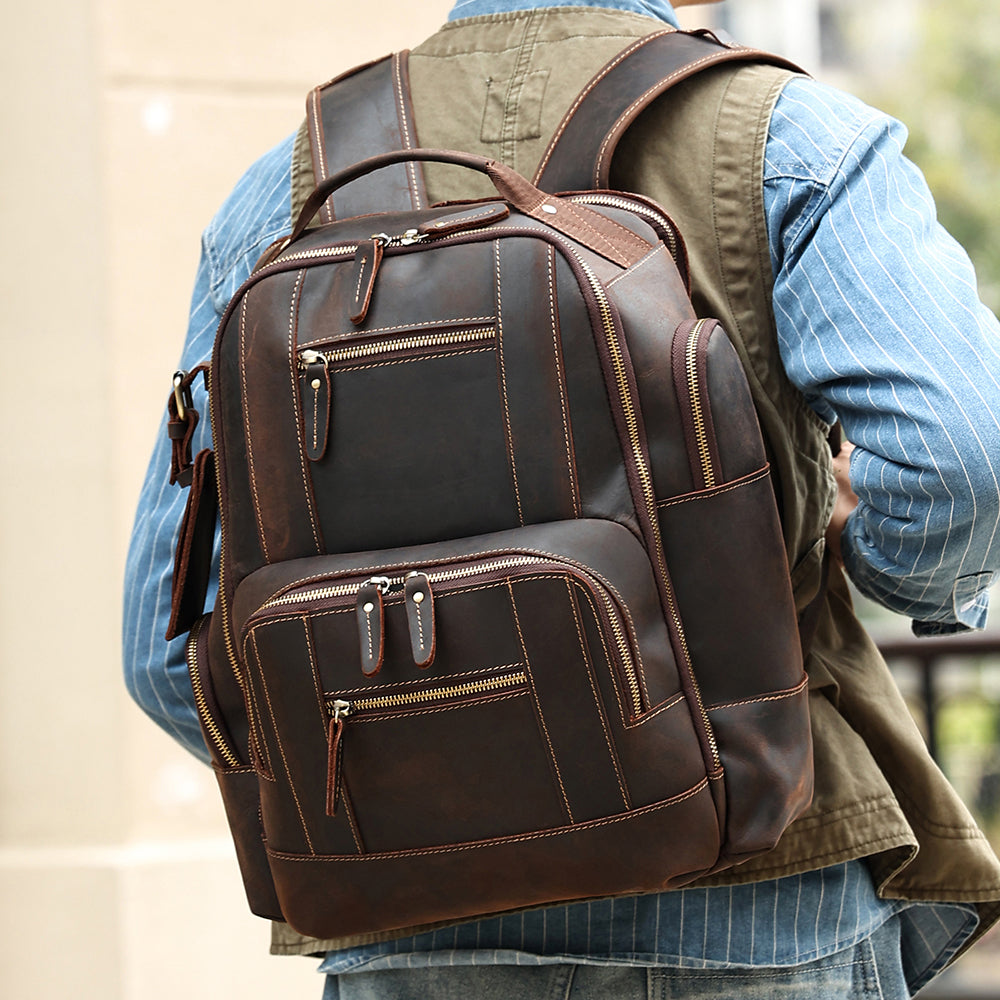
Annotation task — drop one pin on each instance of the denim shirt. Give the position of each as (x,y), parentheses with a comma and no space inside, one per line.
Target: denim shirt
(887,293)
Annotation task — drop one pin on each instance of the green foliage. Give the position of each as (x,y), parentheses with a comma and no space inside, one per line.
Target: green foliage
(948,94)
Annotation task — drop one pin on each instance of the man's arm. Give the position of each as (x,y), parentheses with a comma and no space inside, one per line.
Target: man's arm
(254,215)
(881,327)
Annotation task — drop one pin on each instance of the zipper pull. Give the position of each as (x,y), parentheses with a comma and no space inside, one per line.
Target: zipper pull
(419,601)
(335,754)
(367,261)
(371,629)
(314,387)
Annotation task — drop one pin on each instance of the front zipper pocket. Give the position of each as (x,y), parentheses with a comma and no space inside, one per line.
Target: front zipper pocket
(480,688)
(318,363)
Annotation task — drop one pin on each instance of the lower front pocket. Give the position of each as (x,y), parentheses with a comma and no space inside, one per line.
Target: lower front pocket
(658,847)
(449,694)
(456,759)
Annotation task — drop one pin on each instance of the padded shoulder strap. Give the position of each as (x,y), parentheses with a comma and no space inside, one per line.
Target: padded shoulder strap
(579,155)
(363,113)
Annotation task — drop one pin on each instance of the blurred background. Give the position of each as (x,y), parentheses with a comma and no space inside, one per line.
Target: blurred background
(125,125)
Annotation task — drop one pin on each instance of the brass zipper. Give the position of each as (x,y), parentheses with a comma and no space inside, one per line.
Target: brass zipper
(694,393)
(341,707)
(387,584)
(406,239)
(355,352)
(645,479)
(191,653)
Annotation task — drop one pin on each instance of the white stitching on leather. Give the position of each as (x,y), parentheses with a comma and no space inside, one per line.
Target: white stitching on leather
(246,429)
(303,458)
(593,83)
(503,383)
(519,838)
(560,380)
(537,706)
(597,698)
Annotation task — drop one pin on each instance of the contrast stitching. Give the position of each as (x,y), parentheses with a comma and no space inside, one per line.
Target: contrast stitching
(319,144)
(645,260)
(718,491)
(519,838)
(303,458)
(315,420)
(481,554)
(626,234)
(408,361)
(584,653)
(345,798)
(253,719)
(624,54)
(246,430)
(484,320)
(665,706)
(404,125)
(535,702)
(317,684)
(685,71)
(472,701)
(779,696)
(503,383)
(284,761)
(560,379)
(450,678)
(361,277)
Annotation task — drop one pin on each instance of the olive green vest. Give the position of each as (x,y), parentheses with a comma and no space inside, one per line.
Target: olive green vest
(498,86)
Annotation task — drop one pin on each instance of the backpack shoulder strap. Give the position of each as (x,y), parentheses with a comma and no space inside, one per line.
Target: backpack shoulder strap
(368,111)
(579,154)
(361,113)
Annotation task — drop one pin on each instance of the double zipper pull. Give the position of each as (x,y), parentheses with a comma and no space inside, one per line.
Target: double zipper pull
(335,755)
(420,617)
(371,631)
(366,264)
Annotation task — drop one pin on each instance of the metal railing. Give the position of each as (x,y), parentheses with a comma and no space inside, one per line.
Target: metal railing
(976,976)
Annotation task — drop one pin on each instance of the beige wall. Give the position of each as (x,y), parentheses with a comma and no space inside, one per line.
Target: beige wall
(124,124)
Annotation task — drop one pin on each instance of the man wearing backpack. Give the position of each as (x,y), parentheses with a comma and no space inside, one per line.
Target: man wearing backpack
(815,242)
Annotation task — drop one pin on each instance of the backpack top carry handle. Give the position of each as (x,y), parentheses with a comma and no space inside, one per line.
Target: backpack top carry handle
(591,229)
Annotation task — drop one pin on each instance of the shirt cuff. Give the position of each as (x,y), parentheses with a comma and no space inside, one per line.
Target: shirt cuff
(970,604)
(933,610)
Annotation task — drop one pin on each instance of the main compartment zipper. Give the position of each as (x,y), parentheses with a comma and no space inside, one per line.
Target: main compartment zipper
(645,482)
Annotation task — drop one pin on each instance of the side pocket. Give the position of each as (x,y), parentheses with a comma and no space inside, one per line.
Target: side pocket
(768,782)
(241,797)
(238,781)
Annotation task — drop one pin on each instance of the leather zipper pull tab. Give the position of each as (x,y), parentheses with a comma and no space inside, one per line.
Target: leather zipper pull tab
(366,264)
(315,392)
(335,755)
(419,601)
(371,629)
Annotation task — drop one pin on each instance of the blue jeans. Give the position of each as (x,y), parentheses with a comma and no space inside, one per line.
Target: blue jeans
(871,970)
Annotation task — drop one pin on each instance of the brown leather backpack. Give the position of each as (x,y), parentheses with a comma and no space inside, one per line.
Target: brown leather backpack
(504,614)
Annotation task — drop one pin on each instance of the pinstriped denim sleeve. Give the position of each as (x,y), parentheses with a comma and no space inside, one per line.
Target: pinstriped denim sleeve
(880,326)
(156,676)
